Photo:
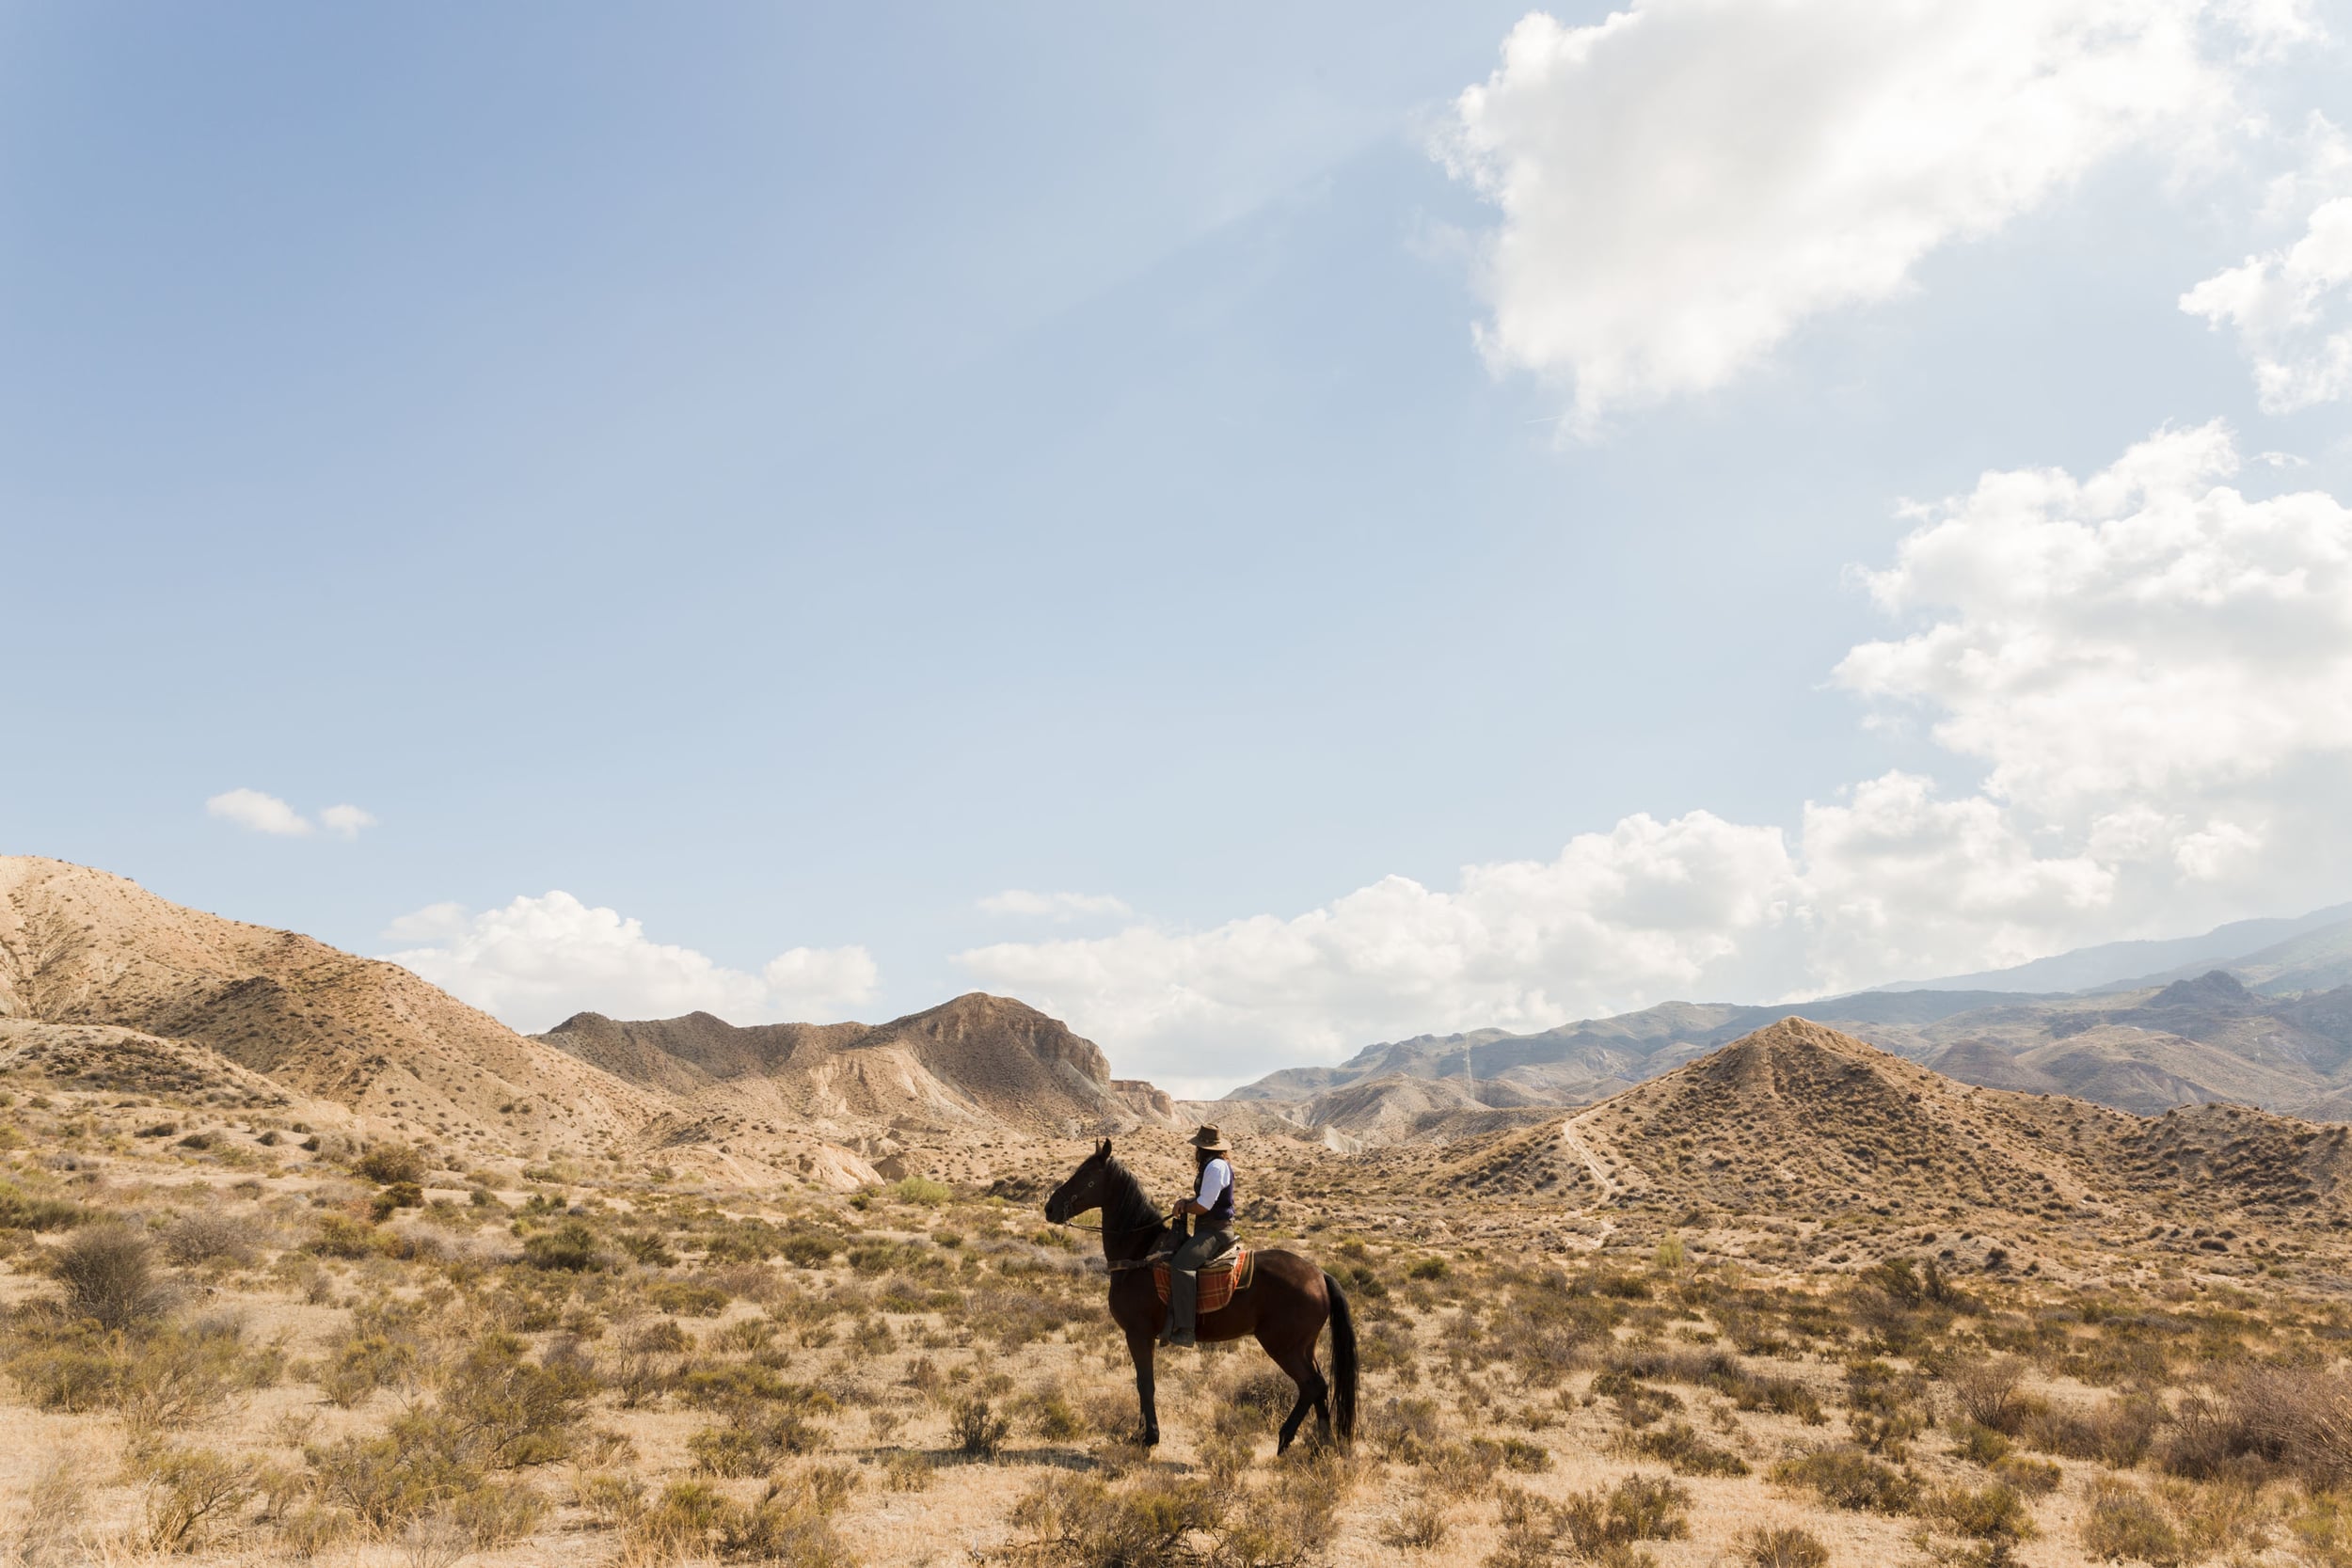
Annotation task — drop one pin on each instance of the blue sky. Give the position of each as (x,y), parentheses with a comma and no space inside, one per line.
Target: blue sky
(1180,518)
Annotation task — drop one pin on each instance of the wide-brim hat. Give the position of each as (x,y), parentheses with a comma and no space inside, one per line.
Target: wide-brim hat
(1212,1140)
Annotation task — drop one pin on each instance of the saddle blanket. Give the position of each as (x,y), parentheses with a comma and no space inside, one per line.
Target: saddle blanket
(1219,1279)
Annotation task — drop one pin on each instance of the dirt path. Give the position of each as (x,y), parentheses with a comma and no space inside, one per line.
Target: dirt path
(1575,1146)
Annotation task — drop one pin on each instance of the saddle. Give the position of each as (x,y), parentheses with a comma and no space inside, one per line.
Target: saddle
(1221,1277)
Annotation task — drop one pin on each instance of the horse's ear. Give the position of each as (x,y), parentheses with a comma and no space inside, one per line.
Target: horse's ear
(1102,1149)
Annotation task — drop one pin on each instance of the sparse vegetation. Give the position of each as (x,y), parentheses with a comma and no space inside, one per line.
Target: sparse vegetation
(354,1352)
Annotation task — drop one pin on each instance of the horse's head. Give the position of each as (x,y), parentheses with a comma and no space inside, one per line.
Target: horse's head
(1083,1189)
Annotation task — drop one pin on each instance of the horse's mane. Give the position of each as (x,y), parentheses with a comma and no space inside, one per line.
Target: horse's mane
(1125,1207)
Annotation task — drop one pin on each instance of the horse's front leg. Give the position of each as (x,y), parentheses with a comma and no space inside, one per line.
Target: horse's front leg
(1141,1345)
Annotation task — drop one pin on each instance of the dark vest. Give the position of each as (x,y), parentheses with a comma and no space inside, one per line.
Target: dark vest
(1220,1214)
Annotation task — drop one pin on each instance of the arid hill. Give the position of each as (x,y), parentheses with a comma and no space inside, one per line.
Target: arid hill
(1799,1119)
(80,947)
(950,1083)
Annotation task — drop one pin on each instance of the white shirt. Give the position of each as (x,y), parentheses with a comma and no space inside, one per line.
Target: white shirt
(1215,1177)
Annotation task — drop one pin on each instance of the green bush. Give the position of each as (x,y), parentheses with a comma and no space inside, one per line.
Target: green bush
(922,1190)
(571,1246)
(22,1210)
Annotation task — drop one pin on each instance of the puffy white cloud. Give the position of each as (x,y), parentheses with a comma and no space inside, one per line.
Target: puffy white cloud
(266,814)
(1053,906)
(2153,670)
(2131,642)
(2290,306)
(1649,906)
(1683,184)
(258,813)
(536,962)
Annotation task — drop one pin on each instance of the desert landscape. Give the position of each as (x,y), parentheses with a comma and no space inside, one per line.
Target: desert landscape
(307,1262)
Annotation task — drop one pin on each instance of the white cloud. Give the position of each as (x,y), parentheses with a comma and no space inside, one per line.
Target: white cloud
(2152,670)
(2139,640)
(1683,184)
(266,814)
(2290,306)
(538,960)
(345,821)
(1053,906)
(258,813)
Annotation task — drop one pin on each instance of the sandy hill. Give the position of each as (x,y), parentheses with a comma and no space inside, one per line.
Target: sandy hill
(82,947)
(683,1055)
(946,1091)
(1797,1117)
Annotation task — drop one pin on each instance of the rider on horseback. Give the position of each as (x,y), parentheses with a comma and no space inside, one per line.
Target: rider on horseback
(1211,1238)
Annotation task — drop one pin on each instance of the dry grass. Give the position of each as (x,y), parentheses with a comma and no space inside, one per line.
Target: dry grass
(612,1369)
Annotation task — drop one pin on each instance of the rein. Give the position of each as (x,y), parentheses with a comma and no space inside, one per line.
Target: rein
(1154,1224)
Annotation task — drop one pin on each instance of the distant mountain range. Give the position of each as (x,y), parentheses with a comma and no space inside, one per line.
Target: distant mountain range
(2322,937)
(2259,1012)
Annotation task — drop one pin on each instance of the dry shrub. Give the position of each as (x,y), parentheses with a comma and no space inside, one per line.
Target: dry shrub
(1078,1521)
(389,1164)
(978,1430)
(1600,1526)
(2117,1433)
(907,1471)
(1785,1547)
(1994,1513)
(2295,1417)
(1404,1430)
(1086,1521)
(1847,1478)
(1291,1519)
(108,1272)
(788,1526)
(1685,1452)
(753,1449)
(1978,1445)
(1419,1525)
(23,1210)
(203,1237)
(1637,1405)
(164,1378)
(2035,1478)
(1458,1470)
(1992,1393)
(2121,1522)
(46,1533)
(190,1493)
(2212,1519)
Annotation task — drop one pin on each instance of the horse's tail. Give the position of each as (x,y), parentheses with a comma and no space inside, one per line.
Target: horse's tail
(1342,1361)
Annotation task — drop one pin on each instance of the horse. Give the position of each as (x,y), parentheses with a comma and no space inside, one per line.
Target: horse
(1285,1307)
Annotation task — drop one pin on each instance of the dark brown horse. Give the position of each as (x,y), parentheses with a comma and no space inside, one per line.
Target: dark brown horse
(1284,1307)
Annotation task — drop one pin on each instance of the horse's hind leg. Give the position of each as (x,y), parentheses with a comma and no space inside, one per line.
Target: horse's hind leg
(1297,1363)
(1140,1347)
